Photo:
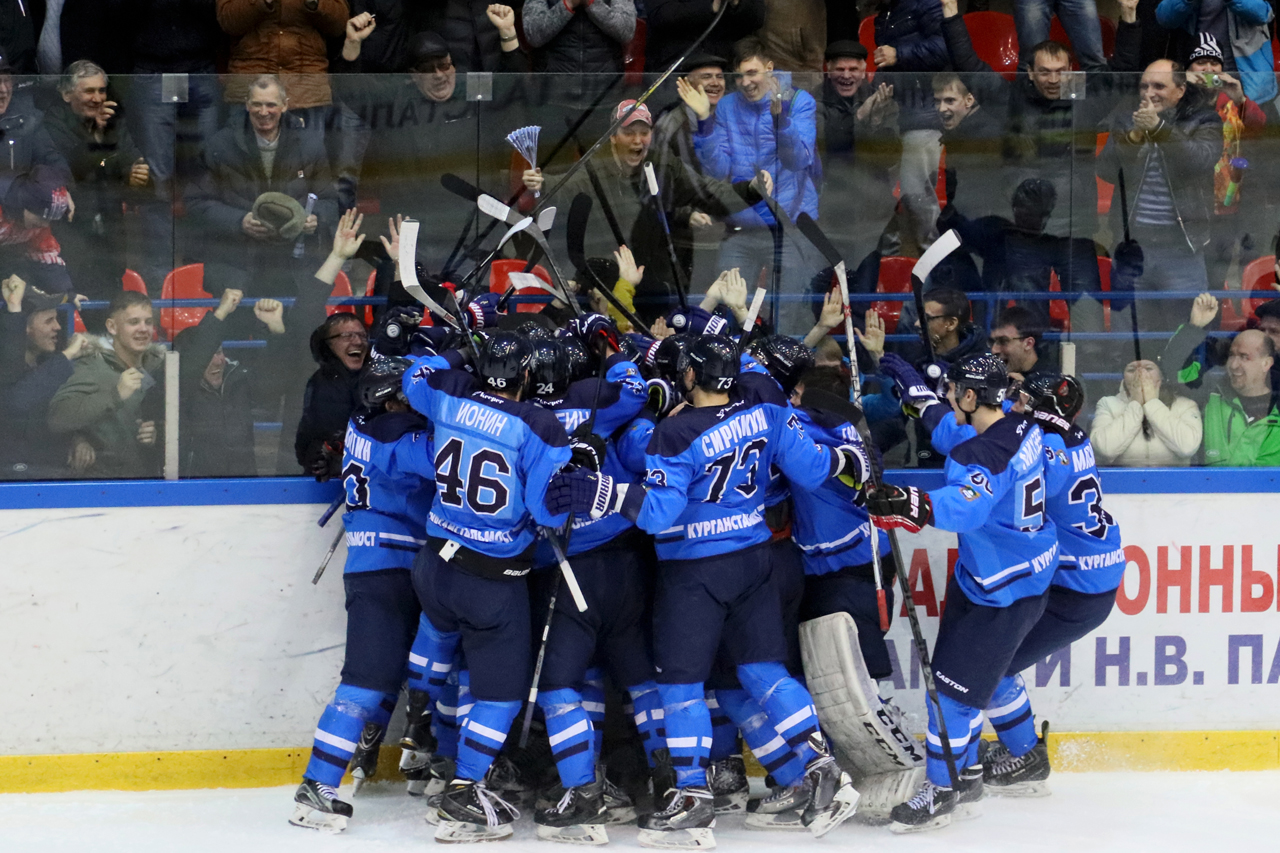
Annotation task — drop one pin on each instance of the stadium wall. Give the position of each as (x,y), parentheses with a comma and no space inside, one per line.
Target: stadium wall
(167,635)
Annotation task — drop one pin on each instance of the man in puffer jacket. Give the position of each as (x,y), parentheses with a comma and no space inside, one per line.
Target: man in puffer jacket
(765,125)
(579,36)
(1146,425)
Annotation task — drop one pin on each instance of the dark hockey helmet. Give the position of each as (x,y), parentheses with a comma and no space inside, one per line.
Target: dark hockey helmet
(985,374)
(534,330)
(504,362)
(549,370)
(671,359)
(1054,394)
(714,359)
(784,357)
(381,380)
(580,362)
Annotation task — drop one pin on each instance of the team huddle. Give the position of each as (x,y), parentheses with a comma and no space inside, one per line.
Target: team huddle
(698,523)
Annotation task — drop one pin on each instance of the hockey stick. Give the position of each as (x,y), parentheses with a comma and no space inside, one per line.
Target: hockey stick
(333,507)
(324,564)
(810,230)
(605,208)
(677,274)
(757,302)
(618,122)
(575,238)
(934,255)
(1133,303)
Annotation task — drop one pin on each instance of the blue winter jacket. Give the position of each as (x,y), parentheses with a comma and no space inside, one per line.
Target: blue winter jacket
(739,139)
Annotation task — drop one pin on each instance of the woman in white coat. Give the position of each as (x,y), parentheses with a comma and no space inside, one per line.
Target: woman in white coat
(1145,425)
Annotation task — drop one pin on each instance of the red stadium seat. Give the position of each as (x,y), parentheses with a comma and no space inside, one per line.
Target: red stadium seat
(1059,313)
(633,54)
(995,40)
(895,277)
(132,281)
(341,287)
(368,291)
(186,282)
(867,37)
(1104,276)
(1257,278)
(500,279)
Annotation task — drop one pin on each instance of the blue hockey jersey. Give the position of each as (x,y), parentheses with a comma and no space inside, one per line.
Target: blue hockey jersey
(1092,558)
(622,397)
(995,499)
(706,471)
(830,523)
(493,460)
(389,480)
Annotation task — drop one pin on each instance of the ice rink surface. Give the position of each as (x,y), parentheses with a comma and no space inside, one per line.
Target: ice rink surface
(1093,812)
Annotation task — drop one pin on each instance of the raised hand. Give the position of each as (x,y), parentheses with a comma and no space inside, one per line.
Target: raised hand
(1203,310)
(694,98)
(347,238)
(270,312)
(230,301)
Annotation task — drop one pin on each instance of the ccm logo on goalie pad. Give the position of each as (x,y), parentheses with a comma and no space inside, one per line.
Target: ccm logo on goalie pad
(908,745)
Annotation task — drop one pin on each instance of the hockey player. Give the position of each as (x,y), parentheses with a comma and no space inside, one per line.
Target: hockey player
(994,499)
(387,474)
(495,455)
(703,498)
(609,561)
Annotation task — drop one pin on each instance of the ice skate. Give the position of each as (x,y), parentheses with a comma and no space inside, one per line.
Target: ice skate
(617,804)
(970,793)
(930,808)
(318,807)
(505,780)
(578,818)
(831,798)
(417,735)
(364,761)
(684,824)
(728,781)
(1018,776)
(779,810)
(470,812)
(426,773)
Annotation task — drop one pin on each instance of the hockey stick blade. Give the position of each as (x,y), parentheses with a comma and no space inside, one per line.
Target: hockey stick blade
(459,187)
(546,219)
(651,179)
(935,254)
(409,274)
(575,233)
(753,312)
(490,206)
(809,228)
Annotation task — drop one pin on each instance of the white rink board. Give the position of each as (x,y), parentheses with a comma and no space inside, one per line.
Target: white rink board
(196,627)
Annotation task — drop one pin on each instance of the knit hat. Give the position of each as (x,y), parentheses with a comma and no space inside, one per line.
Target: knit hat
(1206,49)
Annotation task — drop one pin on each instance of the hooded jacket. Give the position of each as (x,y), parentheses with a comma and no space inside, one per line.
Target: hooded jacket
(742,137)
(25,392)
(1176,430)
(216,435)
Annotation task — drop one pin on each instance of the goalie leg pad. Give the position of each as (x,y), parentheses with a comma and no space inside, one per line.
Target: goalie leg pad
(865,732)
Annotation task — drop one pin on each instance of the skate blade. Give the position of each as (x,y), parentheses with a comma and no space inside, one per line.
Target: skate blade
(906,828)
(620,815)
(701,838)
(1020,790)
(967,811)
(460,832)
(310,818)
(589,834)
(840,810)
(776,822)
(735,803)
(358,781)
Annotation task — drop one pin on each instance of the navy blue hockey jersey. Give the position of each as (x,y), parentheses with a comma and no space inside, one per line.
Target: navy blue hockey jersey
(388,478)
(995,499)
(493,460)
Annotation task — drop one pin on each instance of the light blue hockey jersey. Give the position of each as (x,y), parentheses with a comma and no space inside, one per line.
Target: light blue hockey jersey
(389,480)
(494,458)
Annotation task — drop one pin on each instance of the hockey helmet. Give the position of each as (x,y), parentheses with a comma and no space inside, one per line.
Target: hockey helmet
(714,359)
(985,374)
(549,369)
(381,380)
(505,361)
(581,365)
(534,330)
(1055,394)
(671,358)
(784,357)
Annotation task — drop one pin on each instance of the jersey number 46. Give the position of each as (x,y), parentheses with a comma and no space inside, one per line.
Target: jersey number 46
(485,493)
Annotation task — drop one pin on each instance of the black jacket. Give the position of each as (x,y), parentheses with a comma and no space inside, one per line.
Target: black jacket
(25,142)
(89,29)
(973,146)
(29,451)
(216,436)
(327,404)
(674,24)
(174,36)
(100,169)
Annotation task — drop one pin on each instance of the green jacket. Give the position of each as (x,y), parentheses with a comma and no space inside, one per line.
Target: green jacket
(88,404)
(1229,439)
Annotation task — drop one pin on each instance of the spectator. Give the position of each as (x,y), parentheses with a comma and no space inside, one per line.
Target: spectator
(1268,314)
(17,37)
(765,125)
(26,141)
(31,372)
(416,117)
(266,152)
(216,435)
(674,24)
(1079,18)
(31,203)
(1146,425)
(169,37)
(858,137)
(67,30)
(909,47)
(619,169)
(1239,30)
(477,40)
(109,171)
(115,399)
(794,32)
(1167,149)
(1241,419)
(579,36)
(339,345)
(1015,340)
(1046,106)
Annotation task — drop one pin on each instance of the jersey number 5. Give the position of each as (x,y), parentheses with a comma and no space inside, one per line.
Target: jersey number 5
(485,494)
(1032,514)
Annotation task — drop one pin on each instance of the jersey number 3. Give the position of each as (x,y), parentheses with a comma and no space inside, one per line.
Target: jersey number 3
(485,493)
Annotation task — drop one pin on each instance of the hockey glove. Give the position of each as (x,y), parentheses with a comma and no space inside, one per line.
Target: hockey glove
(482,312)
(662,397)
(583,492)
(588,448)
(696,321)
(893,506)
(912,387)
(392,335)
(592,328)
(853,466)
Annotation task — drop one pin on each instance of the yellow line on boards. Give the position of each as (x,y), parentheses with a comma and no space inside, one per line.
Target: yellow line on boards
(260,768)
